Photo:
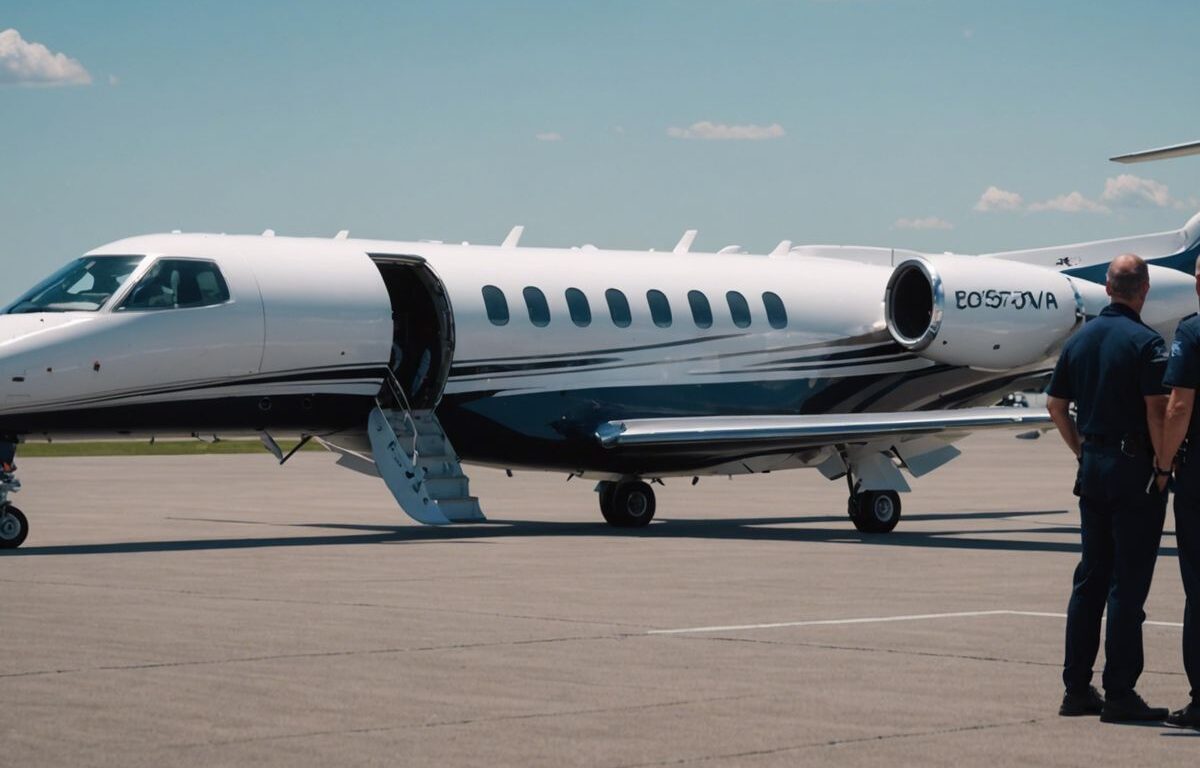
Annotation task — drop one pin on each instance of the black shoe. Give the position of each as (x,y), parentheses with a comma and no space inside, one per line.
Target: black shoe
(1088,702)
(1131,708)
(1188,717)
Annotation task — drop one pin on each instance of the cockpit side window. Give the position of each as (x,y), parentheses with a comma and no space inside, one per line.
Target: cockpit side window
(84,285)
(178,284)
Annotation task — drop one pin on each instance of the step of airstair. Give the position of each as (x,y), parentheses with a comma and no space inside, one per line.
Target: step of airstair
(419,466)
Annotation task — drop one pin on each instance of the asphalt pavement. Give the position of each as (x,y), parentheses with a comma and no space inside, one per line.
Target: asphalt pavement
(221,610)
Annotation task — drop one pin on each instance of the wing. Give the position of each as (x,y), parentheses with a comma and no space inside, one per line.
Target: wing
(812,430)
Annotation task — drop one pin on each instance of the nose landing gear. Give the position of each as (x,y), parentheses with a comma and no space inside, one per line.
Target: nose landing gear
(14,526)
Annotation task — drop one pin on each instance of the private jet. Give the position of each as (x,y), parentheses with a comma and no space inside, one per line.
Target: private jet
(409,359)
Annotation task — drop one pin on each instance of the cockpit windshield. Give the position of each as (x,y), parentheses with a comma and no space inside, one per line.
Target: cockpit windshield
(84,285)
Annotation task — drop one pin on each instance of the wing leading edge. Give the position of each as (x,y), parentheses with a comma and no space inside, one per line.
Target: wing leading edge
(812,429)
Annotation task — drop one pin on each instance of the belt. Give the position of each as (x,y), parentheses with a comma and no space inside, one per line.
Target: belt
(1130,444)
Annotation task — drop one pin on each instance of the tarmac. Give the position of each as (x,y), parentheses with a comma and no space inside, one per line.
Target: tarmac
(220,611)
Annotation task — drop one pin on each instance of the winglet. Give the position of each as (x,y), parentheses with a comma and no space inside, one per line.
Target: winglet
(781,249)
(268,233)
(342,234)
(514,237)
(685,243)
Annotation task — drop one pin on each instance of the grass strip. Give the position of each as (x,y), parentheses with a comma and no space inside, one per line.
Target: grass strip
(86,448)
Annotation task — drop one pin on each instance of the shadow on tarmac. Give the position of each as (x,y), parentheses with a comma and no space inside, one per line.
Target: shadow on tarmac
(732,529)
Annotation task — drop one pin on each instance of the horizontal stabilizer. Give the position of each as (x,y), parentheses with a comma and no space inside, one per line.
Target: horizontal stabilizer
(812,430)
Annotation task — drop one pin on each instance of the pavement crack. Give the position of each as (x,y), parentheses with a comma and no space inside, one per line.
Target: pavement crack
(905,652)
(883,737)
(311,655)
(325,603)
(465,721)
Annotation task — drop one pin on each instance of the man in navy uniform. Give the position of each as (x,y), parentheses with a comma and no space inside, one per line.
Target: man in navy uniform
(1112,369)
(1183,425)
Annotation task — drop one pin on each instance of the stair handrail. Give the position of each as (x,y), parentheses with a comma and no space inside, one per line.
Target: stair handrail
(397,392)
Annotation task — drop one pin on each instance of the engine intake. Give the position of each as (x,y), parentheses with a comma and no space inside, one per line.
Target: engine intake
(980,312)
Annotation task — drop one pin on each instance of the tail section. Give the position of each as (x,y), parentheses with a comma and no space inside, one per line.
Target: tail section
(1176,250)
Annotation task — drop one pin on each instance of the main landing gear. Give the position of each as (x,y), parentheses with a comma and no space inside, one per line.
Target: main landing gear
(14,526)
(626,503)
(874,511)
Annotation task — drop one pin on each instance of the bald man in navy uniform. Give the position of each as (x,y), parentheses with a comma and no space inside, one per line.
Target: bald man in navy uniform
(1112,369)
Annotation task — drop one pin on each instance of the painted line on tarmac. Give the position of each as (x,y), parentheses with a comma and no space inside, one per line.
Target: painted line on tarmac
(875,620)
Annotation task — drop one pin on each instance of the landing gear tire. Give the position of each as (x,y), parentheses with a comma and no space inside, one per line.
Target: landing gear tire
(627,504)
(14,527)
(875,511)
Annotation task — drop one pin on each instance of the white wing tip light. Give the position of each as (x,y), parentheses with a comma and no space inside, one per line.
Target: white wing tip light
(1161,153)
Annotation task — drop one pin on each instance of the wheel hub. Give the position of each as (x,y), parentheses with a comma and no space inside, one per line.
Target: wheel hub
(884,508)
(10,526)
(636,504)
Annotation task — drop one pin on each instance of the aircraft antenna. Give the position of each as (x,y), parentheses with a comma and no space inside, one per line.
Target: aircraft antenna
(514,237)
(685,243)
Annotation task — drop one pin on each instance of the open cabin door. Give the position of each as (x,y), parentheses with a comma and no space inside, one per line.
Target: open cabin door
(409,448)
(422,328)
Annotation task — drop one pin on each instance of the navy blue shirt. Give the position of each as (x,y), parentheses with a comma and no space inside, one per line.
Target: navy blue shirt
(1107,368)
(1183,368)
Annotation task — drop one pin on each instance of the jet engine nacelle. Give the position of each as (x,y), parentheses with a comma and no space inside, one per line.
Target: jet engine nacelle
(980,312)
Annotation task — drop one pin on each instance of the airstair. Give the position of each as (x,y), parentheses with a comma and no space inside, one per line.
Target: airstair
(414,457)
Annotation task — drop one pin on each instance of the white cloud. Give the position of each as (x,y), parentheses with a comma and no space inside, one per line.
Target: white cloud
(927,222)
(27,63)
(1128,189)
(548,136)
(1070,203)
(720,131)
(996,199)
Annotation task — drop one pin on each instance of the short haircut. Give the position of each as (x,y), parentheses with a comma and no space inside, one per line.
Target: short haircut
(1127,280)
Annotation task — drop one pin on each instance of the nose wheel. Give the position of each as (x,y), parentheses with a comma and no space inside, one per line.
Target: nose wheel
(627,503)
(875,511)
(14,527)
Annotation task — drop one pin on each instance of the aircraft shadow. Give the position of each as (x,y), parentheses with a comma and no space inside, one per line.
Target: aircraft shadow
(729,529)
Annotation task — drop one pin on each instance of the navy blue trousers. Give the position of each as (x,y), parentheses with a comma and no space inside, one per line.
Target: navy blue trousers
(1187,536)
(1121,526)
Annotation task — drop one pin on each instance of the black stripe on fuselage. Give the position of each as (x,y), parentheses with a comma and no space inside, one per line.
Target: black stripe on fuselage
(358,374)
(477,370)
(889,348)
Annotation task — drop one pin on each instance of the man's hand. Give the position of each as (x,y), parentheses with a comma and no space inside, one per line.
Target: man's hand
(1060,413)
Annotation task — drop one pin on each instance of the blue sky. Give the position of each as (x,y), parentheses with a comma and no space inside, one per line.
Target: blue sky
(878,122)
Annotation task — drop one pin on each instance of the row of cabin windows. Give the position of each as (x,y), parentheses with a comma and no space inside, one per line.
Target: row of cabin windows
(580,310)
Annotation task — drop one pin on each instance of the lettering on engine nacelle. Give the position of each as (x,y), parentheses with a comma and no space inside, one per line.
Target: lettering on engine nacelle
(996,299)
